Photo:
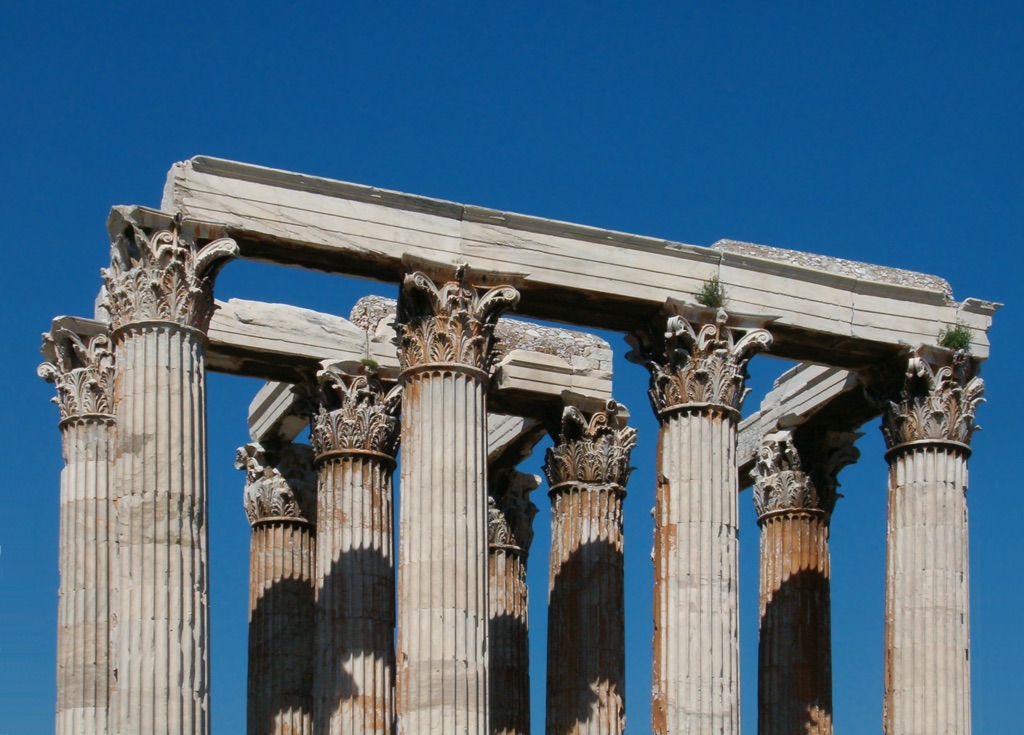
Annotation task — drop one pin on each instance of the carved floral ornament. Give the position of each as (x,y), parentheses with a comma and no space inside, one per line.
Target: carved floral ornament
(283,488)
(934,403)
(510,511)
(355,412)
(82,372)
(781,482)
(453,324)
(705,365)
(594,451)
(163,275)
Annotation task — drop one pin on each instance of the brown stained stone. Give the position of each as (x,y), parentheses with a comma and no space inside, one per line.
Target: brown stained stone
(795,648)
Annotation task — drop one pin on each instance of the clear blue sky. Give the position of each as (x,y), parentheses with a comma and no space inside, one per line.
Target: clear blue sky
(861,130)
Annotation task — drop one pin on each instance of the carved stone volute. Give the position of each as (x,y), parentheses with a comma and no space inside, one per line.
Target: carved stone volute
(161,274)
(453,324)
(592,451)
(279,484)
(355,412)
(936,400)
(82,371)
(696,363)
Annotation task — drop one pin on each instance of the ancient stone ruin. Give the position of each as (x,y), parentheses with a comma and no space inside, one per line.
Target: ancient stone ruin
(348,636)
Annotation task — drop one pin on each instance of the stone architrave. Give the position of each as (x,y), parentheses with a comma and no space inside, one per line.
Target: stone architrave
(795,492)
(446,350)
(354,432)
(82,371)
(698,364)
(928,424)
(280,503)
(510,532)
(587,472)
(160,299)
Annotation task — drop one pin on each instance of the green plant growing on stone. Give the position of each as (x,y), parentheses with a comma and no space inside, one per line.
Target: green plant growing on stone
(370,364)
(956,337)
(712,294)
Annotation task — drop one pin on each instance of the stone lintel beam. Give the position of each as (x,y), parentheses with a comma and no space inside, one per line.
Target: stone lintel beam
(829,310)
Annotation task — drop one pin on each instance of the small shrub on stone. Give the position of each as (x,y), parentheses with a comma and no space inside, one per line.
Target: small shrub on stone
(957,337)
(712,294)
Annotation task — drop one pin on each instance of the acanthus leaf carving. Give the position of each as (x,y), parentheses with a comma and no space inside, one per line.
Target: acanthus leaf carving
(82,372)
(936,402)
(592,451)
(279,484)
(697,365)
(163,275)
(453,324)
(355,412)
(785,481)
(510,511)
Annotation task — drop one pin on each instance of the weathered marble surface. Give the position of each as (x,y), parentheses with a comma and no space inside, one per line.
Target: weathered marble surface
(826,310)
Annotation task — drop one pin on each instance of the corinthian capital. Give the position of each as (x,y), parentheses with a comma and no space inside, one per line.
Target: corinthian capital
(591,450)
(81,370)
(453,324)
(936,399)
(278,484)
(161,273)
(790,479)
(355,412)
(694,363)
(510,511)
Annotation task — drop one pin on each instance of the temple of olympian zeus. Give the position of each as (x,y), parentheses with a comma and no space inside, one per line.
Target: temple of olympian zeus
(351,632)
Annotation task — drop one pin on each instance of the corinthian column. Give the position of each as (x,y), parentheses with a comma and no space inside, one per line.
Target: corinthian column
(510,533)
(698,375)
(355,437)
(280,503)
(928,427)
(446,350)
(82,372)
(794,506)
(587,471)
(160,298)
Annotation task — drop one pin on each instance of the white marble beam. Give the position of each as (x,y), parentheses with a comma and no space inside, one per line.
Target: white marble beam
(831,309)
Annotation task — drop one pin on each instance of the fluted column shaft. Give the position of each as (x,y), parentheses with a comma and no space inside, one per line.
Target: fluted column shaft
(586,617)
(446,349)
(354,433)
(282,568)
(697,358)
(928,424)
(280,503)
(795,645)
(160,299)
(163,628)
(696,575)
(795,492)
(442,591)
(86,552)
(82,372)
(355,619)
(587,471)
(510,533)
(509,642)
(927,610)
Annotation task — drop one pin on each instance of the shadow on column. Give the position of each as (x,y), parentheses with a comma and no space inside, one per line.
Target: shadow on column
(586,641)
(280,654)
(795,658)
(362,582)
(509,675)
